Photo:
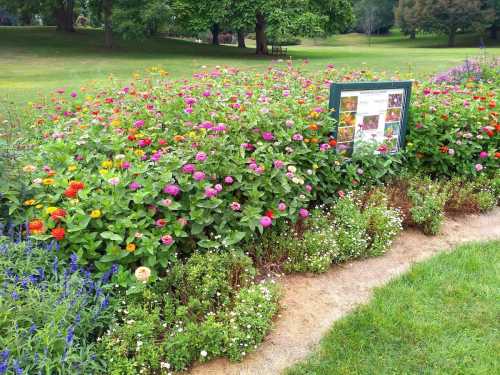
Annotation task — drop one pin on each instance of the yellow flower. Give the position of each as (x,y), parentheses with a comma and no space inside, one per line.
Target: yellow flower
(116,122)
(29,168)
(48,181)
(95,214)
(103,171)
(107,164)
(29,202)
(139,152)
(131,247)
(72,168)
(49,210)
(39,206)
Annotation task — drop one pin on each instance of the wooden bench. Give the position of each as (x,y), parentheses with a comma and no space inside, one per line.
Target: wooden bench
(278,50)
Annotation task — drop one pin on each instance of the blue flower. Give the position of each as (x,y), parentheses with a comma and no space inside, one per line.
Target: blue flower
(73,259)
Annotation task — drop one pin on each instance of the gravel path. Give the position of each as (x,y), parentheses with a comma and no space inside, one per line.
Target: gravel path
(311,304)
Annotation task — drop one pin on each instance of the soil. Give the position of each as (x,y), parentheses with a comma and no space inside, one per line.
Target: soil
(312,303)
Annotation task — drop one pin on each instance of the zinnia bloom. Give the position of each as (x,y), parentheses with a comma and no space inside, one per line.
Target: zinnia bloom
(95,214)
(235,206)
(58,214)
(58,233)
(167,239)
(267,136)
(265,221)
(36,226)
(131,247)
(142,274)
(281,206)
(198,176)
(201,156)
(303,213)
(172,190)
(134,186)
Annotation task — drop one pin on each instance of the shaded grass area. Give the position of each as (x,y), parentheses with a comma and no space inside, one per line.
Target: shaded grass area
(37,60)
(440,318)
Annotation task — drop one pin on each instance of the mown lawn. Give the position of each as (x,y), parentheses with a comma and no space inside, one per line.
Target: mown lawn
(37,60)
(440,318)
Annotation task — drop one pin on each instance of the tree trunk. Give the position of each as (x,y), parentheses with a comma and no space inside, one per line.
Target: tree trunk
(412,34)
(260,34)
(59,16)
(108,30)
(215,34)
(63,14)
(69,14)
(451,37)
(241,39)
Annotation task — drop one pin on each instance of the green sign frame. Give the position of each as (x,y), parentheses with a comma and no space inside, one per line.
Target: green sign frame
(402,96)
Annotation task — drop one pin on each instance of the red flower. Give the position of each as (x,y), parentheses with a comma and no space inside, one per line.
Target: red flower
(444,149)
(497,155)
(76,185)
(58,214)
(131,137)
(58,233)
(332,142)
(70,193)
(492,104)
(269,214)
(36,226)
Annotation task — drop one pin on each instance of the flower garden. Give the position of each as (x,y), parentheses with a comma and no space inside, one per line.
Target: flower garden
(156,214)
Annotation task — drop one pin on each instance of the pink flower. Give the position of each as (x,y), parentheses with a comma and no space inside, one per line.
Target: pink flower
(479,167)
(188,168)
(235,206)
(278,164)
(198,176)
(267,136)
(218,187)
(228,180)
(309,188)
(281,206)
(297,137)
(134,186)
(172,190)
(166,202)
(125,165)
(167,239)
(114,181)
(210,192)
(303,213)
(73,94)
(289,123)
(201,156)
(483,154)
(139,124)
(265,221)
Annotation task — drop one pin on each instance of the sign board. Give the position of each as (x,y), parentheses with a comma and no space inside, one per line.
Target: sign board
(370,112)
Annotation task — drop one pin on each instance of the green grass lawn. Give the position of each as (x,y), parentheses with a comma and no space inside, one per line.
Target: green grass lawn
(36,60)
(440,318)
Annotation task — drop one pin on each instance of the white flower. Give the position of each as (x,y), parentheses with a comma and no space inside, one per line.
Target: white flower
(203,353)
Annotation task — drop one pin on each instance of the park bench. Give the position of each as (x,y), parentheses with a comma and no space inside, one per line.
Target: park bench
(278,50)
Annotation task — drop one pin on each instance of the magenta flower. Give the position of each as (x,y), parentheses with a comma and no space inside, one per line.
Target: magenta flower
(172,190)
(235,206)
(201,156)
(199,176)
(134,186)
(125,165)
(303,213)
(218,187)
(167,239)
(73,94)
(483,154)
(267,136)
(210,192)
(228,180)
(139,124)
(281,206)
(188,168)
(265,221)
(160,223)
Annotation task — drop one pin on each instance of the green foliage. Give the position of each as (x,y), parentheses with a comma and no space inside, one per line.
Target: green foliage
(203,309)
(485,200)
(50,313)
(374,16)
(428,199)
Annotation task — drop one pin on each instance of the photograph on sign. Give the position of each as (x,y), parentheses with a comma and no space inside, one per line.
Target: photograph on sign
(374,115)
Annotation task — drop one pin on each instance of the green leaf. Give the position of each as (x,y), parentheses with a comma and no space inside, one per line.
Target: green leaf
(111,236)
(233,238)
(207,244)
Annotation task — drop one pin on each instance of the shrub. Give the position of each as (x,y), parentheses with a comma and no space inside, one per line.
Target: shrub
(383,225)
(315,249)
(485,200)
(350,229)
(205,308)
(428,200)
(50,312)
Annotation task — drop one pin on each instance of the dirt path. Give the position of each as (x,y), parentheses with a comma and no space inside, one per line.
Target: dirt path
(312,303)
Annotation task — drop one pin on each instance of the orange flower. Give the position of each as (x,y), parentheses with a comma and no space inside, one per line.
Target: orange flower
(131,247)
(313,127)
(314,140)
(76,185)
(70,193)
(301,101)
(58,233)
(497,155)
(443,149)
(36,226)
(178,138)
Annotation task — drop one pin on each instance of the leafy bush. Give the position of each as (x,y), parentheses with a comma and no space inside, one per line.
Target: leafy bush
(428,199)
(205,308)
(50,312)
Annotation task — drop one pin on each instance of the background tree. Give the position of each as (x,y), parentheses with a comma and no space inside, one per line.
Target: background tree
(379,14)
(451,16)
(407,17)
